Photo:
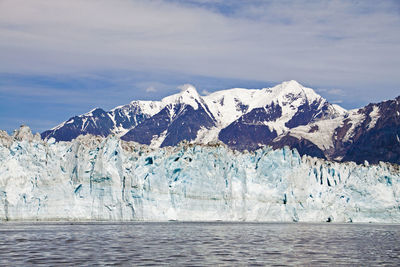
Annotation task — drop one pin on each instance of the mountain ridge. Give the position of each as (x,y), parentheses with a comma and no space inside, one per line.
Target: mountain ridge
(287,114)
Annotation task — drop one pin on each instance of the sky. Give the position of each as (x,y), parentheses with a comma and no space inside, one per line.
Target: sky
(63,58)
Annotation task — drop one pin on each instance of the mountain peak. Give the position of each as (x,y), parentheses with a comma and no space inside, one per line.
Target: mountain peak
(287,93)
(188,89)
(287,87)
(290,86)
(94,111)
(293,87)
(292,83)
(188,95)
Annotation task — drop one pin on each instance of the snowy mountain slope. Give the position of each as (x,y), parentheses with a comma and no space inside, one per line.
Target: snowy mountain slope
(99,122)
(277,110)
(377,138)
(370,133)
(96,122)
(95,178)
(229,105)
(290,103)
(288,114)
(124,118)
(180,116)
(223,107)
(128,116)
(183,115)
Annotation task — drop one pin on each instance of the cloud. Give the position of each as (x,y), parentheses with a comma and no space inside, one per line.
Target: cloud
(333,91)
(205,92)
(344,44)
(151,89)
(184,87)
(336,92)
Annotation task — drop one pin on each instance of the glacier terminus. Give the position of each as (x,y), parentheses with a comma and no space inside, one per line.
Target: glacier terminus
(106,178)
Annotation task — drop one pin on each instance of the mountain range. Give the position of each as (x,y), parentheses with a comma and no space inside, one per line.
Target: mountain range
(287,114)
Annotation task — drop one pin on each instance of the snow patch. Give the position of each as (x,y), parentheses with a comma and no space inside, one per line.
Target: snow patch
(355,119)
(374,115)
(205,136)
(322,137)
(157,140)
(188,96)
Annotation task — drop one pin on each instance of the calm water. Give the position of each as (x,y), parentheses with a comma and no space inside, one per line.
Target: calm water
(198,244)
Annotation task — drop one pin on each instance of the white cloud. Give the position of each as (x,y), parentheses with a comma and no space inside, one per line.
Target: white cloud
(348,44)
(333,91)
(151,89)
(205,92)
(185,86)
(336,92)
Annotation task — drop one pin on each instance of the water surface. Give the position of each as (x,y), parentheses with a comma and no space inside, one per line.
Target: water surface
(198,244)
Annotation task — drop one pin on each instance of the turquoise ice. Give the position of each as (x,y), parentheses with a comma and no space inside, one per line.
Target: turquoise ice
(93,178)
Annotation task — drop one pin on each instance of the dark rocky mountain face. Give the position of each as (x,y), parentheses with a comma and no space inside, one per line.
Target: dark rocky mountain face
(268,113)
(186,125)
(296,117)
(381,142)
(249,131)
(183,125)
(303,146)
(371,134)
(153,126)
(99,123)
(242,136)
(307,113)
(128,120)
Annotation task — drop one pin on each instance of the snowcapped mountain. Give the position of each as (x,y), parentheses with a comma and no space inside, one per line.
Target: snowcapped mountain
(370,133)
(287,114)
(99,122)
(213,112)
(275,111)
(181,117)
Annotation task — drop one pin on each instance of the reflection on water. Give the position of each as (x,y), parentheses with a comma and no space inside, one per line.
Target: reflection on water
(177,243)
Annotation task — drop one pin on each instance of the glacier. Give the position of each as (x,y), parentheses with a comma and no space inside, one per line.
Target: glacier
(97,178)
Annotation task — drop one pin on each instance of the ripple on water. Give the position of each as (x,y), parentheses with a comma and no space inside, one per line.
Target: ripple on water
(200,244)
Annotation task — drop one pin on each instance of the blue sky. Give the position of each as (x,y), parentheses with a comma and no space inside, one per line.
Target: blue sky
(62,58)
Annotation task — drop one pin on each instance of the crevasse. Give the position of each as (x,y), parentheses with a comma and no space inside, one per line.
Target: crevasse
(94,178)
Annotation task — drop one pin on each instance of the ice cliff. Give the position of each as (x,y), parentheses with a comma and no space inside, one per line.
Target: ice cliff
(94,178)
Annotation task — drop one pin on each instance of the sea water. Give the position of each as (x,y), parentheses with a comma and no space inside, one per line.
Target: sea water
(198,244)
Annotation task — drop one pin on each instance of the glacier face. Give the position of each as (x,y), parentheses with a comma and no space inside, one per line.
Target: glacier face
(94,178)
